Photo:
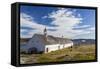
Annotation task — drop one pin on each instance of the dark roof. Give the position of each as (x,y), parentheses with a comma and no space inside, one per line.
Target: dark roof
(24,40)
(48,40)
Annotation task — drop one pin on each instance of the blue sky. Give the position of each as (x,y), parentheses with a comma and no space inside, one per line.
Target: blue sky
(68,22)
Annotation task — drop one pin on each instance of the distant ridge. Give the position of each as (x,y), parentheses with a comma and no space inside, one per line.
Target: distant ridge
(83,41)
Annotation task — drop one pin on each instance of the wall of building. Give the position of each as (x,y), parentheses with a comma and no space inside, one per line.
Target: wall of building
(35,42)
(57,47)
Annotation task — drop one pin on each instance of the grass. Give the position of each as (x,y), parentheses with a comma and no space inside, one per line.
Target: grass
(84,52)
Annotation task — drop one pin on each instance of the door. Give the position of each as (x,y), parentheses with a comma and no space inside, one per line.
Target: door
(47,49)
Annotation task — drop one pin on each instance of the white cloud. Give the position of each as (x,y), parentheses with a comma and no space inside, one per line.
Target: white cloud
(65,20)
(88,33)
(28,21)
(92,28)
(44,17)
(83,26)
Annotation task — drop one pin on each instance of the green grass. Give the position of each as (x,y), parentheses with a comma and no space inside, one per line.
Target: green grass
(84,52)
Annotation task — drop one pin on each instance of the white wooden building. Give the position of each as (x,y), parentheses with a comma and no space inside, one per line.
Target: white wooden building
(46,43)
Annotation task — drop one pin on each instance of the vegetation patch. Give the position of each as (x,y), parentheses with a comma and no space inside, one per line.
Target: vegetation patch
(83,52)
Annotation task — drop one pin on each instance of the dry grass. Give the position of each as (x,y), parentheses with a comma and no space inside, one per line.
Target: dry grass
(84,52)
